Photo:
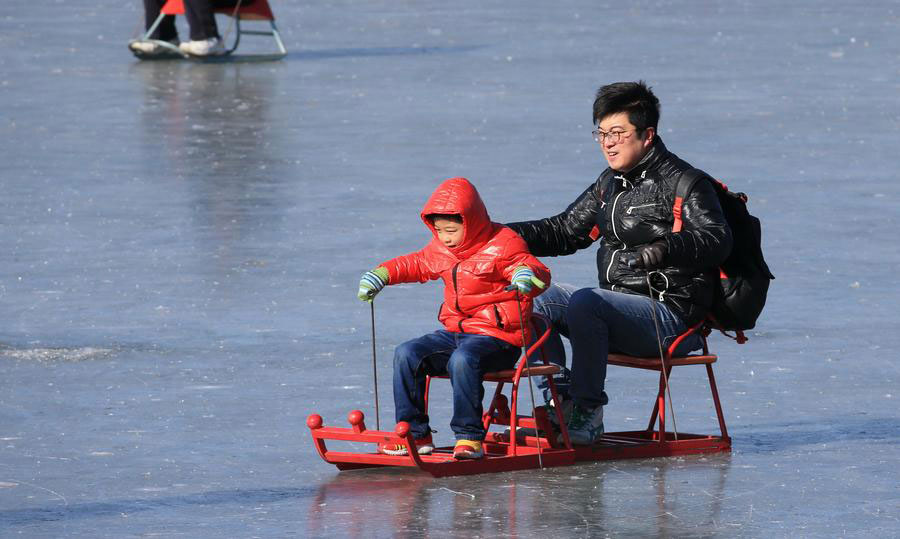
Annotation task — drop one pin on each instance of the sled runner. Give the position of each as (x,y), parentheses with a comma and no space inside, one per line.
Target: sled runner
(533,447)
(244,10)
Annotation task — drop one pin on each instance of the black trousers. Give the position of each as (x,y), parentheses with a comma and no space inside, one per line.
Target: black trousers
(199,14)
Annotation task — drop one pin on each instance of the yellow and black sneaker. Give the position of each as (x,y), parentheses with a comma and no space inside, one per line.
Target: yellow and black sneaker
(468,450)
(424,446)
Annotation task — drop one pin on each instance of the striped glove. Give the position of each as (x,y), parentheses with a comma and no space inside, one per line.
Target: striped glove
(523,279)
(372,282)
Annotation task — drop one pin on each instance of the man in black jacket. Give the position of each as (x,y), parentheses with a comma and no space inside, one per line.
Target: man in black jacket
(629,209)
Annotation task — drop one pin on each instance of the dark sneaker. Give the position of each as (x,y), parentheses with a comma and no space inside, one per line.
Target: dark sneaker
(424,446)
(585,425)
(467,450)
(567,406)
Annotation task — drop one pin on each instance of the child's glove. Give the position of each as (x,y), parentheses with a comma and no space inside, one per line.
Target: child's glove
(523,279)
(372,282)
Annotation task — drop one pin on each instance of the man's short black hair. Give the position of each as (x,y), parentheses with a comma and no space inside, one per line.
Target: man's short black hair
(634,98)
(455,217)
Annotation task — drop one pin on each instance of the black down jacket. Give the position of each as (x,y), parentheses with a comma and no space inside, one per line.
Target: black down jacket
(628,210)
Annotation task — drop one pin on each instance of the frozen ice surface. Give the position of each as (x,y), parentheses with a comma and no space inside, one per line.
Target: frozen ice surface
(181,246)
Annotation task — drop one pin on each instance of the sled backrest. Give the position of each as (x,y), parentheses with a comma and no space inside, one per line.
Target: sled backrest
(258,10)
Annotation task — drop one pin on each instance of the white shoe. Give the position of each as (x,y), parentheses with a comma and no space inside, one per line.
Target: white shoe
(151,48)
(204,47)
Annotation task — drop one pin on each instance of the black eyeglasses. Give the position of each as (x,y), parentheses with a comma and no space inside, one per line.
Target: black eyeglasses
(614,137)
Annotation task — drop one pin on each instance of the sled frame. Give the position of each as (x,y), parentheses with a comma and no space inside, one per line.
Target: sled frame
(655,440)
(509,451)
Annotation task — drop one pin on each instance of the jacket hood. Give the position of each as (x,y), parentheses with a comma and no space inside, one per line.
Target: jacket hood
(458,196)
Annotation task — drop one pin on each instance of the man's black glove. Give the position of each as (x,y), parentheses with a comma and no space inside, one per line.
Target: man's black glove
(651,256)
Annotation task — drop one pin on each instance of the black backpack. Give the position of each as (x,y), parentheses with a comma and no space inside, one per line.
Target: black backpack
(744,276)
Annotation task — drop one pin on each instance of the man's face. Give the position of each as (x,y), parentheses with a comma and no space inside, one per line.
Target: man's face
(622,145)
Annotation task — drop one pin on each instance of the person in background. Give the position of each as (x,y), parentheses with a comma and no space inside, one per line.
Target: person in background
(204,33)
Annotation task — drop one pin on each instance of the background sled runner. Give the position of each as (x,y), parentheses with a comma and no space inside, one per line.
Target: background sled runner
(247,10)
(536,449)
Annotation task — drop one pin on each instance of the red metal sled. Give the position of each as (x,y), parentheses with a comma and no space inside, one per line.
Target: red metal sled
(506,453)
(248,10)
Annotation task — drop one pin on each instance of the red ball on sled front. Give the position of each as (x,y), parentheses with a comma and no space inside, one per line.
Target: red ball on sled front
(402,429)
(314,421)
(355,417)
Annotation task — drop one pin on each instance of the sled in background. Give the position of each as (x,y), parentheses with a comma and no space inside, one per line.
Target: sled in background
(245,10)
(532,448)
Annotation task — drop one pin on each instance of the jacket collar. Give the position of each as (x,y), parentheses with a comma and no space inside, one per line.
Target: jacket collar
(657,150)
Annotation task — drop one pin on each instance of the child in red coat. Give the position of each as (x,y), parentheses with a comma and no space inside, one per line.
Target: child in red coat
(477,259)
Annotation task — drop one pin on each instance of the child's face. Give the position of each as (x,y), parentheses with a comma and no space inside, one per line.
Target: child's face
(450,233)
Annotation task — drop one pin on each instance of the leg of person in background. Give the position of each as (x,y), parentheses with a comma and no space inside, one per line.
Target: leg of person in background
(205,39)
(165,30)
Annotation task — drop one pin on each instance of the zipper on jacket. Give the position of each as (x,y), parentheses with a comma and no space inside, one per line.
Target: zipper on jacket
(612,259)
(456,298)
(455,289)
(612,217)
(499,320)
(629,209)
(612,220)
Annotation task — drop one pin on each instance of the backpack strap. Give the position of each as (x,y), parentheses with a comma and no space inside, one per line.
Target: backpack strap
(685,183)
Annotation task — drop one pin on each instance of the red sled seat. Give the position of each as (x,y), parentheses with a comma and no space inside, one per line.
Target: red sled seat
(503,411)
(673,442)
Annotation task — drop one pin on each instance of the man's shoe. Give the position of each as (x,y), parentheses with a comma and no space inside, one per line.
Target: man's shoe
(468,450)
(203,47)
(585,426)
(567,406)
(424,446)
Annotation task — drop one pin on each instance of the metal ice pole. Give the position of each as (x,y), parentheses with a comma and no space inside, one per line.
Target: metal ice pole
(662,356)
(375,368)
(528,375)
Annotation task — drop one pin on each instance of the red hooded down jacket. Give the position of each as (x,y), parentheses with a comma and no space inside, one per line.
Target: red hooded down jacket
(476,271)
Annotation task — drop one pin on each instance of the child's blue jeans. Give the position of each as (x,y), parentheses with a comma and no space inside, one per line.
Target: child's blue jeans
(465,357)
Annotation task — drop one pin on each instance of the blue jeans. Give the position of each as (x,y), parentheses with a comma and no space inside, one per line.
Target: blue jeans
(597,322)
(465,357)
